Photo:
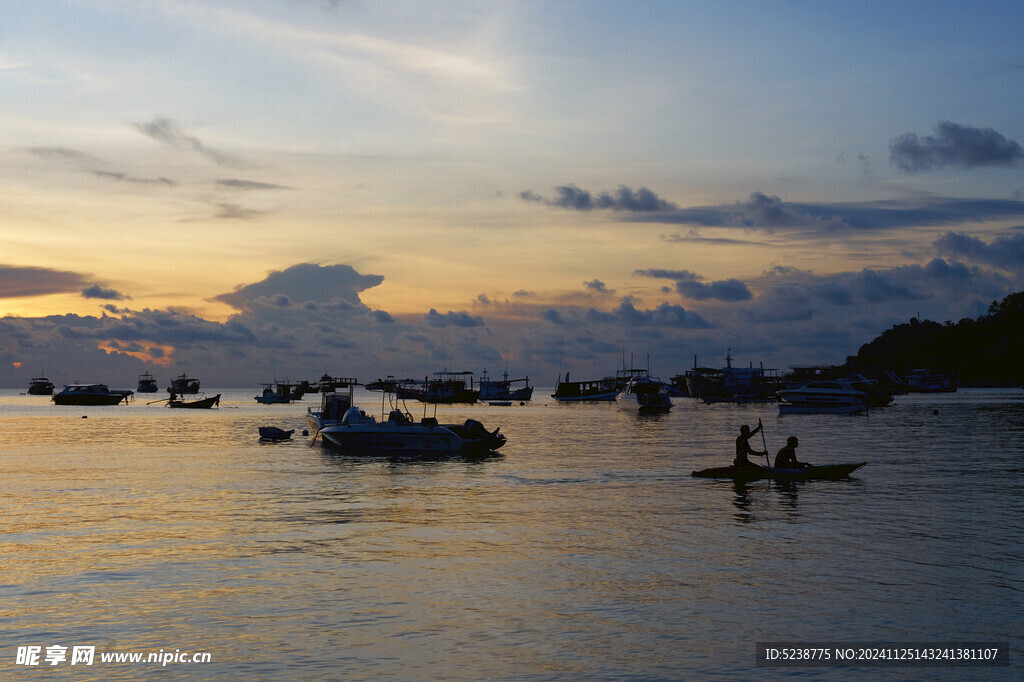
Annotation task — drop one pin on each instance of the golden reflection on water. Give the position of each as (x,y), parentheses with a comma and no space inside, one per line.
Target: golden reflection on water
(584,549)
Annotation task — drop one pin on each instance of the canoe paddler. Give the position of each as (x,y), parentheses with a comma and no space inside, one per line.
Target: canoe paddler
(786,459)
(743,447)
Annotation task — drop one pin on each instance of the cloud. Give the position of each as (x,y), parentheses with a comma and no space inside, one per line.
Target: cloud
(167,131)
(305,282)
(624,199)
(234,183)
(230,211)
(123,177)
(598,286)
(90,164)
(20,281)
(953,145)
(689,286)
(1003,252)
(811,219)
(452,319)
(665,315)
(96,291)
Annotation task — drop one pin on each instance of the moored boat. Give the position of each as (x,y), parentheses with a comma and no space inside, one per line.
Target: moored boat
(333,406)
(147,384)
(90,394)
(358,433)
(445,388)
(755,473)
(198,404)
(40,386)
(732,384)
(645,394)
(277,393)
(822,397)
(503,389)
(599,390)
(184,384)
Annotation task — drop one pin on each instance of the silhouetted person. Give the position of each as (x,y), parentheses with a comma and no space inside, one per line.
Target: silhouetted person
(786,459)
(743,447)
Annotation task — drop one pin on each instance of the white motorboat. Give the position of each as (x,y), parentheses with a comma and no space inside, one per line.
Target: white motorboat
(358,433)
(822,397)
(645,394)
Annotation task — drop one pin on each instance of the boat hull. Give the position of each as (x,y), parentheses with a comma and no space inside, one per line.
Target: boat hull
(823,472)
(202,404)
(851,408)
(416,439)
(112,399)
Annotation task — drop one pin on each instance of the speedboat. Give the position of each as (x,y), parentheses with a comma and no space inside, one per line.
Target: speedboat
(645,394)
(358,433)
(822,397)
(90,394)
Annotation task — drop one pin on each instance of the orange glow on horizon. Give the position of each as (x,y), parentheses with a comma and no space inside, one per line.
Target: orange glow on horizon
(162,359)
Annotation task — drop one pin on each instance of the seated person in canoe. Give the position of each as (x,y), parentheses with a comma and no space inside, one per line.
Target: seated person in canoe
(786,459)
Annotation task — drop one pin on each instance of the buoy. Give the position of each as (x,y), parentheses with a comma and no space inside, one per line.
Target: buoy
(85,416)
(305,432)
(935,411)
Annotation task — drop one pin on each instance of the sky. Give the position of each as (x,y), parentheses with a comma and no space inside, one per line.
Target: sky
(246,190)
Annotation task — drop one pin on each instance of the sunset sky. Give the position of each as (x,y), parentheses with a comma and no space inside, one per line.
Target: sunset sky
(250,188)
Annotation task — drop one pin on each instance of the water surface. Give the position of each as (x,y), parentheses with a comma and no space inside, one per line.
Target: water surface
(583,550)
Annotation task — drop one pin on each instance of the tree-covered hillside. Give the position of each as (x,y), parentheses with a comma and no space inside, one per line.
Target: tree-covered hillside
(988,351)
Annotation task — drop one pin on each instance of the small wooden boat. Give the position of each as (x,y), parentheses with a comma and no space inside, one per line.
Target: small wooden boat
(200,404)
(825,471)
(273,433)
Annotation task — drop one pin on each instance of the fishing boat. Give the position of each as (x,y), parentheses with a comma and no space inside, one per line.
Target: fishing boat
(90,394)
(732,384)
(603,389)
(755,473)
(184,384)
(446,388)
(198,404)
(333,406)
(147,384)
(822,397)
(40,386)
(645,394)
(277,393)
(503,389)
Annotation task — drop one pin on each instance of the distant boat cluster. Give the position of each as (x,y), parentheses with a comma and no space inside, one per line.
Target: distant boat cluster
(814,389)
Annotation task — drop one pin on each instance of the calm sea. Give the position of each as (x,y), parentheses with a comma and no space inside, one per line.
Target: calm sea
(584,550)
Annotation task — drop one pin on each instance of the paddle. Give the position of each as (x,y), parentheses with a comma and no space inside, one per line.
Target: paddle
(765,444)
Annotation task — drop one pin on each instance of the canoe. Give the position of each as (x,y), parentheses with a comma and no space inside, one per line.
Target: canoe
(825,471)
